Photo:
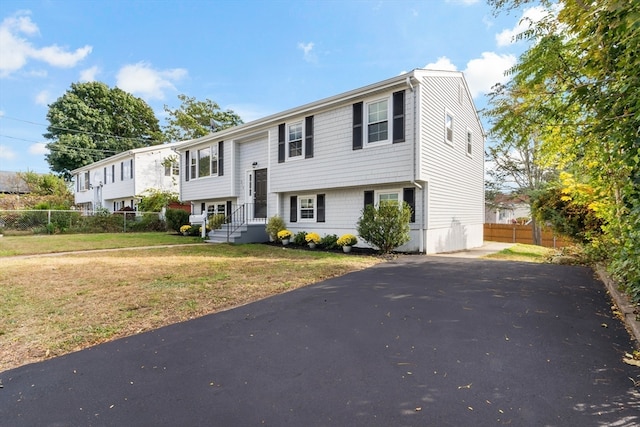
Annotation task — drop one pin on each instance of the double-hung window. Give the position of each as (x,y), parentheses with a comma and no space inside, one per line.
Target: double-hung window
(294,139)
(307,206)
(469,142)
(378,121)
(448,127)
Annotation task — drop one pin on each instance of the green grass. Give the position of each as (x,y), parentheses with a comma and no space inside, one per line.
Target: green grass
(42,244)
(526,253)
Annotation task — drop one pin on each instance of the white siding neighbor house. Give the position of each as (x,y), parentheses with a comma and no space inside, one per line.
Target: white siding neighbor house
(415,137)
(113,183)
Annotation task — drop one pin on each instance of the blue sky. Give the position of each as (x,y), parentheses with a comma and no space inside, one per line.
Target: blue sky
(254,57)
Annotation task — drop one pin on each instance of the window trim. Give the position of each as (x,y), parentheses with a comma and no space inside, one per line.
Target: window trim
(389,120)
(194,162)
(300,141)
(301,198)
(448,114)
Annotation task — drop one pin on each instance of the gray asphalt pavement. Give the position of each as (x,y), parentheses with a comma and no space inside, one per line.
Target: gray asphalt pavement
(418,341)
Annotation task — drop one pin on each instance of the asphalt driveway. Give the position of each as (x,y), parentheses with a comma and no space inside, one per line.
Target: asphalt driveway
(420,341)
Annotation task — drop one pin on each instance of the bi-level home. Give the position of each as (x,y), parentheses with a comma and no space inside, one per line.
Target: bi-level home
(415,138)
(115,182)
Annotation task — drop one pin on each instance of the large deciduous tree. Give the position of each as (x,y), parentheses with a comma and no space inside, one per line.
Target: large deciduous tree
(194,119)
(584,62)
(92,121)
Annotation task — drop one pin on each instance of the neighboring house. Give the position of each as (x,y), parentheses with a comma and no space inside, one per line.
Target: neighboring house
(507,209)
(12,183)
(115,182)
(415,138)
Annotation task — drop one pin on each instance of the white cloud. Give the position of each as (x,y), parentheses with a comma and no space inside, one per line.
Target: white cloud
(309,55)
(480,73)
(141,79)
(529,17)
(442,64)
(38,148)
(43,98)
(7,153)
(89,74)
(17,50)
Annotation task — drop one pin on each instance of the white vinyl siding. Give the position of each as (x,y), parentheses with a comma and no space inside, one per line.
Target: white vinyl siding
(455,180)
(335,164)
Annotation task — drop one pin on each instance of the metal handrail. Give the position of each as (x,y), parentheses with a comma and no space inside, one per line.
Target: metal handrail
(238,218)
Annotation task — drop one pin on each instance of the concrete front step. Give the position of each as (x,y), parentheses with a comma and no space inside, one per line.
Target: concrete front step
(246,233)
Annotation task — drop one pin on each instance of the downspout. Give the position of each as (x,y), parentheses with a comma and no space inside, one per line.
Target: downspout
(416,144)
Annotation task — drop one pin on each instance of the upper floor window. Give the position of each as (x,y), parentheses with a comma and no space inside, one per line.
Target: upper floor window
(108,174)
(205,163)
(294,139)
(126,170)
(172,169)
(83,181)
(469,142)
(378,121)
(448,127)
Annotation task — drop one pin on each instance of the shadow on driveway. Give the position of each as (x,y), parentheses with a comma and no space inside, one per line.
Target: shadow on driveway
(419,341)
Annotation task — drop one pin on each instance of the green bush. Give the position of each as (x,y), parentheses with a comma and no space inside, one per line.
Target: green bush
(300,238)
(274,225)
(329,241)
(147,222)
(176,218)
(386,226)
(216,220)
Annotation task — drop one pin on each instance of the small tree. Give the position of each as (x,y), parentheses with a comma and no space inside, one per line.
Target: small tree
(385,226)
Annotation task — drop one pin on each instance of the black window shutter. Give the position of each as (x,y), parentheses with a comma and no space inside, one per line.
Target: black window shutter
(408,194)
(320,207)
(131,168)
(220,158)
(398,116)
(121,171)
(357,126)
(293,210)
(228,211)
(308,137)
(104,176)
(281,142)
(187,166)
(113,173)
(368,198)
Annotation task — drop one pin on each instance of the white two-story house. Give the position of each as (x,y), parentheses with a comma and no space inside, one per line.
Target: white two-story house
(115,182)
(415,138)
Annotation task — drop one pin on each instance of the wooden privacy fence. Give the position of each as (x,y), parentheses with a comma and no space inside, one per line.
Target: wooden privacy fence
(515,233)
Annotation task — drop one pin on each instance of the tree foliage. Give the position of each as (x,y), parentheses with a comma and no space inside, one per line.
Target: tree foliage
(385,226)
(193,119)
(583,67)
(92,121)
(153,200)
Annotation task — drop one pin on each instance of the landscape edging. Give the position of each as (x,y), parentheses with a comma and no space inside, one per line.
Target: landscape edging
(622,302)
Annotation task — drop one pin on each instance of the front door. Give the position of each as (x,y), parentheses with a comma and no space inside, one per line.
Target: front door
(260,194)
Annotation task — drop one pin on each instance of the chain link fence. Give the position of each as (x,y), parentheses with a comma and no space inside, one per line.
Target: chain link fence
(15,222)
